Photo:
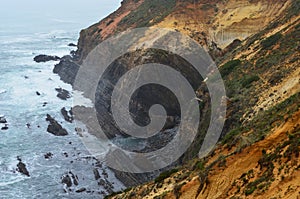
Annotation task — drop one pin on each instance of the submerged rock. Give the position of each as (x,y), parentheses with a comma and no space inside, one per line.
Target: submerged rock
(45,58)
(55,128)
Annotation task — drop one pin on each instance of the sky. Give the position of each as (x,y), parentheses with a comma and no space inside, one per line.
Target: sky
(35,13)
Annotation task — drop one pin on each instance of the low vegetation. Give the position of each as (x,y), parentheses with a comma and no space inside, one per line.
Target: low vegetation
(272,40)
(149,12)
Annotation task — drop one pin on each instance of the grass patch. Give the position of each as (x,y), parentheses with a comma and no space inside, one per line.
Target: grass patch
(165,175)
(230,136)
(248,80)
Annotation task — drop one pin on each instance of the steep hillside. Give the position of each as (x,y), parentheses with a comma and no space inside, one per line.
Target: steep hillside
(256,45)
(266,169)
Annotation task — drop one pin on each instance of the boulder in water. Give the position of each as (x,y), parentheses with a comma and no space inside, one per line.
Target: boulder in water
(45,58)
(63,94)
(22,168)
(68,115)
(72,45)
(66,179)
(55,128)
(4,127)
(3,120)
(81,190)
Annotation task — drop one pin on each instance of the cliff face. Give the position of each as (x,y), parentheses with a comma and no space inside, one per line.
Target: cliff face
(208,22)
(256,45)
(259,155)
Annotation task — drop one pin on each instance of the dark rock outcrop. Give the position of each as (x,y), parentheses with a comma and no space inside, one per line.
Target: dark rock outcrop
(55,128)
(45,58)
(63,94)
(72,45)
(66,179)
(69,179)
(68,115)
(80,190)
(48,155)
(66,69)
(96,174)
(5,127)
(21,167)
(3,120)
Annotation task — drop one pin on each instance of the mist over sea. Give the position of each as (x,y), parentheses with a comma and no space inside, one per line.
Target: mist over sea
(27,29)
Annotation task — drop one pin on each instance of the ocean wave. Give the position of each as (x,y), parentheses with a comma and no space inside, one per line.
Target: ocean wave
(18,179)
(63,21)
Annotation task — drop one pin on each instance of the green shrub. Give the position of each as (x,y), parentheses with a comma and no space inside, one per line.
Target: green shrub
(200,165)
(270,41)
(229,136)
(227,68)
(246,82)
(250,191)
(208,6)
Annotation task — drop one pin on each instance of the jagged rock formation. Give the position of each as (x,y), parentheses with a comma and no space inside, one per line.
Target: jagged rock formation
(55,128)
(45,58)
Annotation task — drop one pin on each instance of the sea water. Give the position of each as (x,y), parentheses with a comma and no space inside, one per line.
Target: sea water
(20,80)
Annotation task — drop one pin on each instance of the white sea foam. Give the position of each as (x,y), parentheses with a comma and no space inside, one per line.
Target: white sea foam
(18,179)
(63,21)
(81,100)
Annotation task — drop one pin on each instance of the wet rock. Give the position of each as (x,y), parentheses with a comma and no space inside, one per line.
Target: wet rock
(105,174)
(67,69)
(21,167)
(96,174)
(66,179)
(45,58)
(68,115)
(74,178)
(63,94)
(81,190)
(72,45)
(5,127)
(101,182)
(3,120)
(48,155)
(55,128)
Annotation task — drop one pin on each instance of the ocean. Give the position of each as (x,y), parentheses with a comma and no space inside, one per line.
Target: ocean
(20,81)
